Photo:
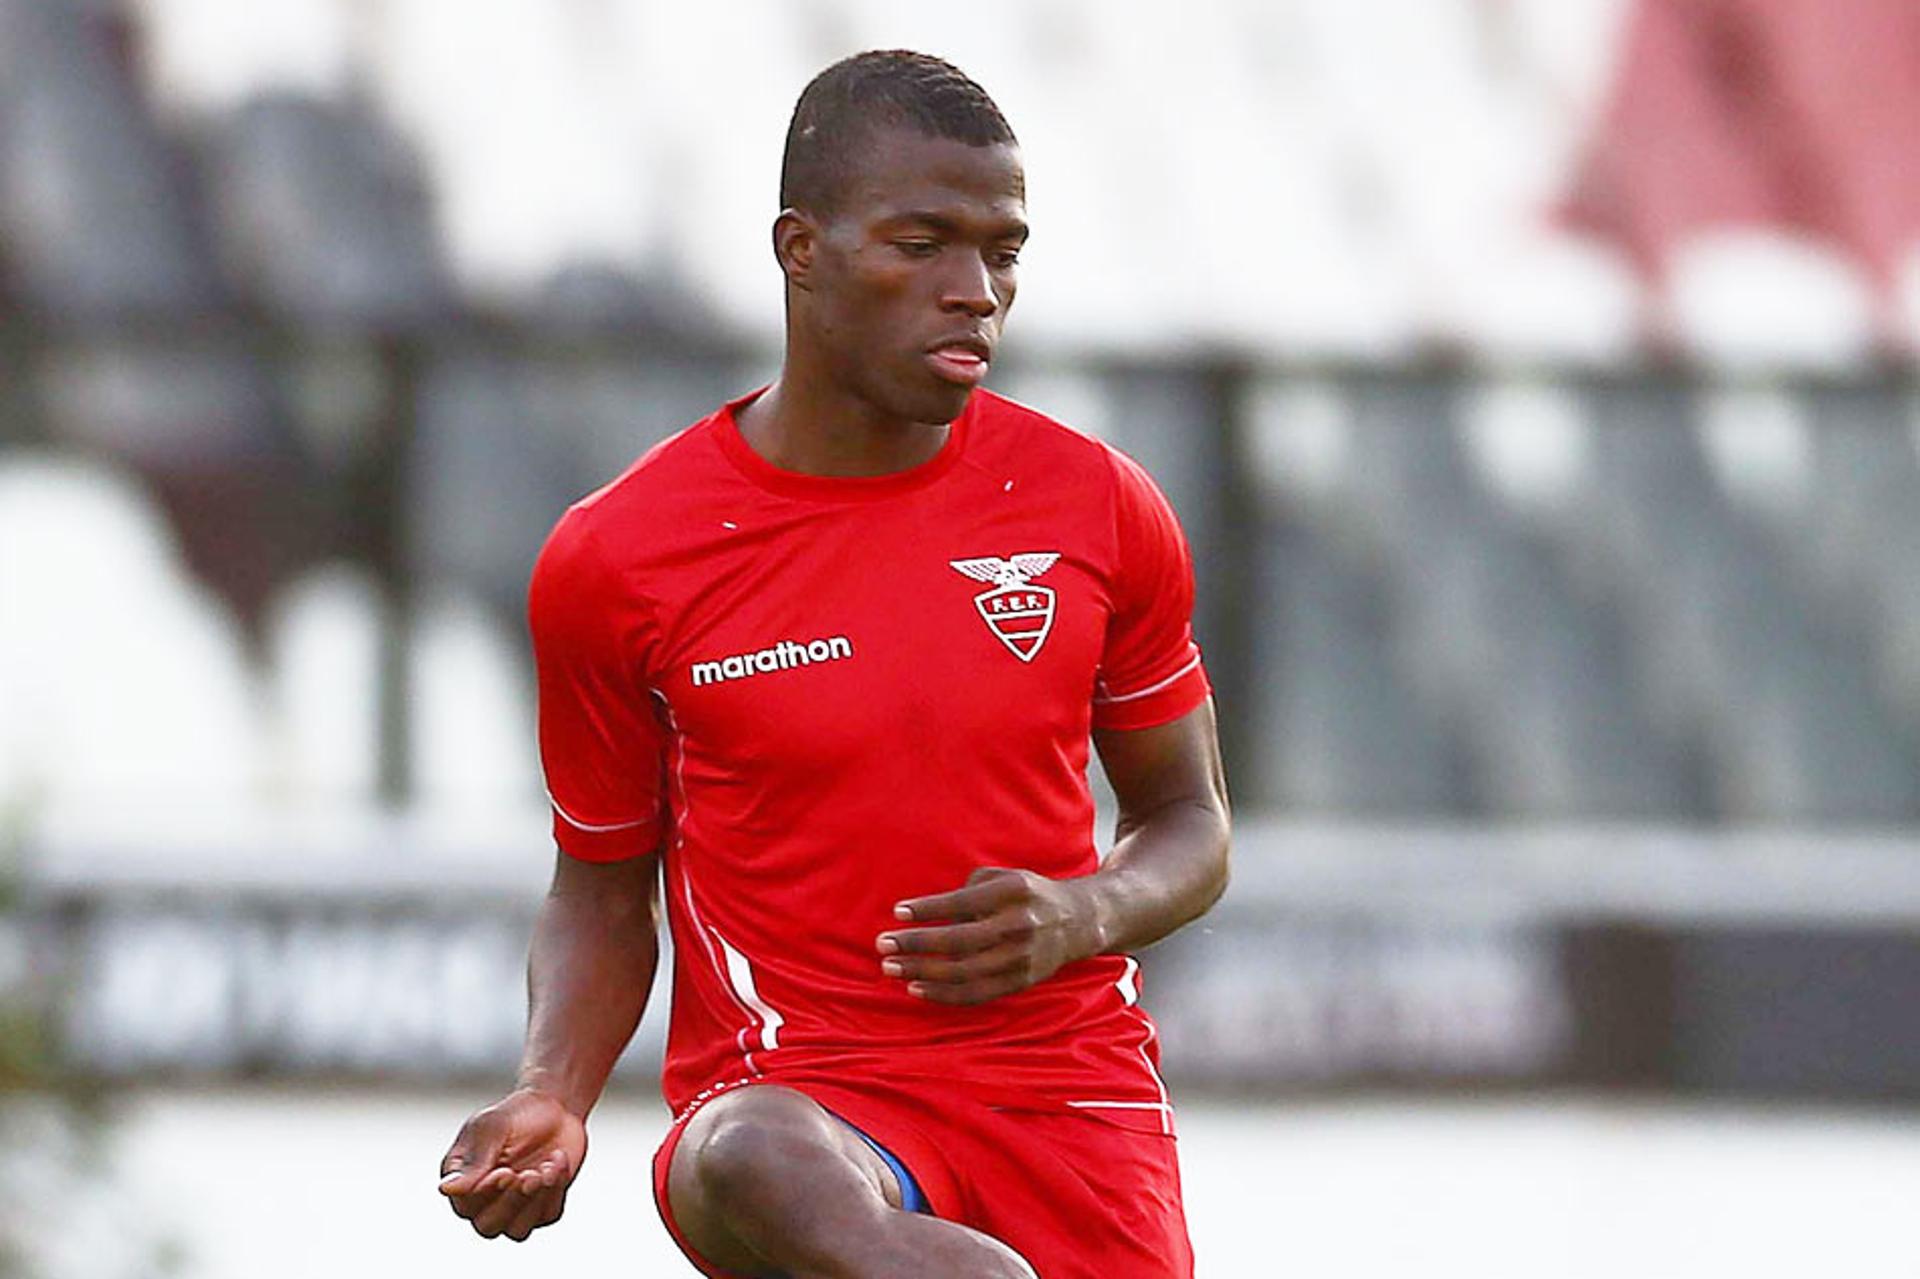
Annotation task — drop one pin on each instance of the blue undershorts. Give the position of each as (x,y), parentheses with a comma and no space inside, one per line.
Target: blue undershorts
(912,1199)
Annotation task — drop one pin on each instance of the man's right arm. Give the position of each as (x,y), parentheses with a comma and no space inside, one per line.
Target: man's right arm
(589,970)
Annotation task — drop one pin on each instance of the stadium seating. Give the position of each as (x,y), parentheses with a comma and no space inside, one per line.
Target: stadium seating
(1343,733)
(1516,521)
(1862,530)
(468,686)
(323,648)
(534,436)
(473,750)
(123,684)
(1755,301)
(320,216)
(93,222)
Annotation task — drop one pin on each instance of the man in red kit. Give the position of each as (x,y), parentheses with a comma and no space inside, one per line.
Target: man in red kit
(828,665)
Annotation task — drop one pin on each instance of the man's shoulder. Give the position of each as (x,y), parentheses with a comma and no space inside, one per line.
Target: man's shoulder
(619,527)
(1023,438)
(1008,425)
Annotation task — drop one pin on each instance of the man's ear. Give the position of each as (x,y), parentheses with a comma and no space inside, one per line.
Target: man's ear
(795,238)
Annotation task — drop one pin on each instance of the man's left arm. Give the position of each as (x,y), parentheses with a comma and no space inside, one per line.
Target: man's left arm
(1007,929)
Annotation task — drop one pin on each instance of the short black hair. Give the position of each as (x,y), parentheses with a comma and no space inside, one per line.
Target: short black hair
(883,87)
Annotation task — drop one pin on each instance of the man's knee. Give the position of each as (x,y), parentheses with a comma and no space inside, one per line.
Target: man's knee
(769,1155)
(756,1143)
(765,1179)
(732,1174)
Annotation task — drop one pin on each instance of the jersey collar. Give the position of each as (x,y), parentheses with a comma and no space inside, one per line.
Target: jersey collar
(836,488)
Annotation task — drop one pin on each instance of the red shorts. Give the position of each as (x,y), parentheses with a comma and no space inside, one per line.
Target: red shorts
(1076,1195)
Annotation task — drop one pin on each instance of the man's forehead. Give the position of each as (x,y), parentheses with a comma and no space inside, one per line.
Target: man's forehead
(902,169)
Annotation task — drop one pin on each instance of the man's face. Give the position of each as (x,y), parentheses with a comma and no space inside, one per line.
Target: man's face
(913,271)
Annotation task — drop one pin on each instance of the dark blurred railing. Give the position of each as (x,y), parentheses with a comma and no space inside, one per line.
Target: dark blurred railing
(1403,643)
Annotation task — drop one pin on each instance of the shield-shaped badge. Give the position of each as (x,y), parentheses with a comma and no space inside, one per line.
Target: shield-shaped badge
(1019,614)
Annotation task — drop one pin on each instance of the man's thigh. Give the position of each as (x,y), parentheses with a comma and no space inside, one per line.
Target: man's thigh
(720,1151)
(1078,1196)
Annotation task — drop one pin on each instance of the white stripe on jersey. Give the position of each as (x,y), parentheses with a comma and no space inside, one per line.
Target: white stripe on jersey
(770,1020)
(740,977)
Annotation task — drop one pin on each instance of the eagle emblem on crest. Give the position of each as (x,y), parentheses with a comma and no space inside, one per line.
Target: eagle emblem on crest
(1019,613)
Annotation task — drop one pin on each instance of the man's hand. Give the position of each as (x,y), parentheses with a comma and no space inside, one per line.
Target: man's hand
(509,1169)
(1003,932)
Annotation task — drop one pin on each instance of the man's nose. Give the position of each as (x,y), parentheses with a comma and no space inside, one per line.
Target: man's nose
(969,287)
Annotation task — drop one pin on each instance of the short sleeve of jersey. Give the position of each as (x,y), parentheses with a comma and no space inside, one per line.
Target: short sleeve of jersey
(1150,671)
(601,747)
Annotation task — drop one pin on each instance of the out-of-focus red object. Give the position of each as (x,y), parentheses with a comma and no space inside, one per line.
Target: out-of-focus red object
(1793,114)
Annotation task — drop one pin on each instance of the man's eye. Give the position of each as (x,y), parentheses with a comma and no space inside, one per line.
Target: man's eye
(1004,258)
(917,248)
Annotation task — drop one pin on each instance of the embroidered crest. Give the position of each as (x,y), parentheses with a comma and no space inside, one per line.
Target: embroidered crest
(1019,614)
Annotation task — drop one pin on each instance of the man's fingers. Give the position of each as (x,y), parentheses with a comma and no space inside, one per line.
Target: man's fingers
(465,1182)
(551,1171)
(497,1197)
(473,1153)
(950,971)
(497,1180)
(942,939)
(961,903)
(540,1209)
(986,888)
(499,1214)
(972,992)
(458,1170)
(472,1203)
(498,1184)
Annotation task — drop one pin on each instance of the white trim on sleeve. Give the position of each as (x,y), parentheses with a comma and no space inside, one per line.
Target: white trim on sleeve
(588,827)
(1150,689)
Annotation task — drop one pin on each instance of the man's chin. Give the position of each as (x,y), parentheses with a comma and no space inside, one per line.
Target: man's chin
(942,404)
(918,399)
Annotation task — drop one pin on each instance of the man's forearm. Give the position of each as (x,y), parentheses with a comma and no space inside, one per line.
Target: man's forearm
(1166,869)
(589,970)
(1169,858)
(1006,929)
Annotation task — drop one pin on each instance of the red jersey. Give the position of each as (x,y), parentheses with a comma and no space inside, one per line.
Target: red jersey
(820,696)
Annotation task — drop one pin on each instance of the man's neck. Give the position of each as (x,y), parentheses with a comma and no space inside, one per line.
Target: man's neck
(802,429)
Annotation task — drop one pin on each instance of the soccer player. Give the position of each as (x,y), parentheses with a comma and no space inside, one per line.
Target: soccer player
(828,665)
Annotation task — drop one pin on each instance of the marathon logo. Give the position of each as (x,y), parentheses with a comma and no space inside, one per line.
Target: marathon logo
(783,656)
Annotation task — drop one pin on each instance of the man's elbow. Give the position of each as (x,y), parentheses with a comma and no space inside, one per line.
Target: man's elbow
(1224,861)
(1220,860)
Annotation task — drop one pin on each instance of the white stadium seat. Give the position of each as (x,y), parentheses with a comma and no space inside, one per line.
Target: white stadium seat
(1906,316)
(127,684)
(208,55)
(472,727)
(1542,296)
(473,738)
(1286,178)
(1752,300)
(1530,442)
(1569,48)
(533,167)
(323,647)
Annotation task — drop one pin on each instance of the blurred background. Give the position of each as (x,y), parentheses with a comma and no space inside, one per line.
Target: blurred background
(1536,382)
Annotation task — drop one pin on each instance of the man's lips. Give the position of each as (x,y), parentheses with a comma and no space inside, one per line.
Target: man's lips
(960,360)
